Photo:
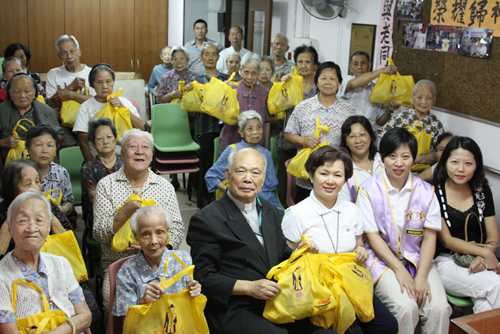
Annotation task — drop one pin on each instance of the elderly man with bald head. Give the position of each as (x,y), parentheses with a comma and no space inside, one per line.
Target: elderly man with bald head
(234,242)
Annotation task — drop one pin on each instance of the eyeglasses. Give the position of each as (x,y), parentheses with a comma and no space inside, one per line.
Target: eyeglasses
(361,136)
(235,34)
(200,28)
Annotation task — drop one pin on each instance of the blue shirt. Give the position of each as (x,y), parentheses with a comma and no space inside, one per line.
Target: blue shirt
(136,273)
(155,79)
(216,173)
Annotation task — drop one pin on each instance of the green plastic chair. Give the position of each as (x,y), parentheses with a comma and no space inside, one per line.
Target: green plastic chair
(273,147)
(459,301)
(72,159)
(1,62)
(170,129)
(216,149)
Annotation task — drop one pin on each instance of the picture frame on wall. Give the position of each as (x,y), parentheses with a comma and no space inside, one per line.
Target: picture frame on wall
(362,39)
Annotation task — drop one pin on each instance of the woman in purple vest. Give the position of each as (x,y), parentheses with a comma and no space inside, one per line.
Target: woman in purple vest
(465,196)
(333,223)
(359,140)
(401,217)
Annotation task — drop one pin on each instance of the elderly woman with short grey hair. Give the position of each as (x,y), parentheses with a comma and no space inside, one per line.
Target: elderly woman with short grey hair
(424,97)
(29,219)
(102,135)
(137,281)
(102,79)
(250,129)
(251,96)
(169,85)
(233,65)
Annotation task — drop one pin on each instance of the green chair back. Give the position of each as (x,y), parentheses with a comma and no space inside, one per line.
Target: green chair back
(170,129)
(1,62)
(72,159)
(459,301)
(216,149)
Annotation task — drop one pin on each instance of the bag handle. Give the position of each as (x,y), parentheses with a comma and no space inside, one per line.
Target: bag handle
(181,87)
(294,71)
(50,198)
(18,124)
(13,295)
(295,255)
(489,244)
(187,270)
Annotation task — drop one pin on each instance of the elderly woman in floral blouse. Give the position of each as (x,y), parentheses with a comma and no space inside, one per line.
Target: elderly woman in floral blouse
(251,96)
(102,135)
(137,281)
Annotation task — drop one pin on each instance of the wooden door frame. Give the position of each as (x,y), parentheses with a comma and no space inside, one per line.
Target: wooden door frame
(253,6)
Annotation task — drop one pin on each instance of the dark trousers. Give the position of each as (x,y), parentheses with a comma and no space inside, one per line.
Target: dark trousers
(383,323)
(283,156)
(301,194)
(206,143)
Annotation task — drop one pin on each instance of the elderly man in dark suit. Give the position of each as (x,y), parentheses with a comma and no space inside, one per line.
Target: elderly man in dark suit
(234,242)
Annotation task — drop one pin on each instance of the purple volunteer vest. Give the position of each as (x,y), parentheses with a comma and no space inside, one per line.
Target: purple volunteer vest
(409,246)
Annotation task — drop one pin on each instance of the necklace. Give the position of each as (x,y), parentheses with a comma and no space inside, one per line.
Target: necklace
(327,231)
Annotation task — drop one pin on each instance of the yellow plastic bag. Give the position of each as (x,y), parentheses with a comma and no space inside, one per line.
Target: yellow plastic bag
(297,164)
(286,95)
(65,245)
(40,99)
(19,152)
(301,294)
(278,117)
(231,81)
(424,141)
(37,323)
(221,101)
(393,87)
(191,100)
(124,237)
(171,313)
(119,116)
(69,110)
(181,90)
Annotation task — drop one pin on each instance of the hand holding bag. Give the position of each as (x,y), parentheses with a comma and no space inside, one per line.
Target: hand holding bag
(297,164)
(286,95)
(119,116)
(69,110)
(181,90)
(424,141)
(19,152)
(302,295)
(37,323)
(171,313)
(393,87)
(192,99)
(221,101)
(124,237)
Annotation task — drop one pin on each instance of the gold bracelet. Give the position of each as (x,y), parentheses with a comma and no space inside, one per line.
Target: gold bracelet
(72,325)
(304,141)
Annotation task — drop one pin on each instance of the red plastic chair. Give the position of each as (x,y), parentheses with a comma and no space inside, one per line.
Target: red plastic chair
(113,324)
(134,102)
(291,186)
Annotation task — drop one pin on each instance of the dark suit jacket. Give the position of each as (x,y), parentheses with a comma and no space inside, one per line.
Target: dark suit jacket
(225,249)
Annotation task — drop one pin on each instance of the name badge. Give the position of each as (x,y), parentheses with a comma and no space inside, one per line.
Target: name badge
(415,233)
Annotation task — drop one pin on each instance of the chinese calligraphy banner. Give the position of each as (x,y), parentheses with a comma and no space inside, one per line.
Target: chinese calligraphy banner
(384,33)
(467,13)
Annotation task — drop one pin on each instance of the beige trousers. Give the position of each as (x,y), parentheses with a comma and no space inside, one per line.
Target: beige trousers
(434,316)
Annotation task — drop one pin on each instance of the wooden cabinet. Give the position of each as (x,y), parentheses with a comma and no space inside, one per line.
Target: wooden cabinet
(126,34)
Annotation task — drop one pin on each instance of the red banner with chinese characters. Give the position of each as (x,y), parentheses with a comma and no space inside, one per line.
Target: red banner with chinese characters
(467,13)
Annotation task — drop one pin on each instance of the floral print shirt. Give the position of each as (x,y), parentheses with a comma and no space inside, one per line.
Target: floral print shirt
(92,172)
(58,178)
(136,273)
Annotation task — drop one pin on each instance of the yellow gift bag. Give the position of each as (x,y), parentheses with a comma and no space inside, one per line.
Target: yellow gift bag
(221,101)
(65,245)
(424,141)
(286,95)
(171,313)
(393,87)
(37,323)
(181,90)
(297,164)
(191,100)
(119,116)
(19,152)
(301,294)
(69,110)
(124,237)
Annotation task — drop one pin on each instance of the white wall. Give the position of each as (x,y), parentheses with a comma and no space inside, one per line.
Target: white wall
(201,9)
(176,22)
(290,18)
